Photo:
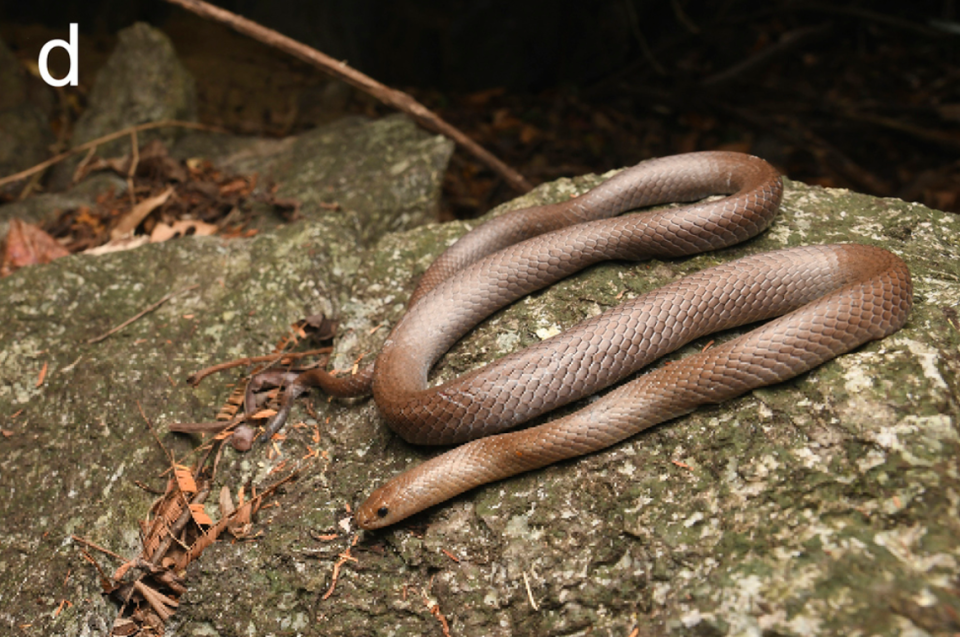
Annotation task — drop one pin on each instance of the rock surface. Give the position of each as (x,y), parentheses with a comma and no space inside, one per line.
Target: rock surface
(25,105)
(141,82)
(381,175)
(825,505)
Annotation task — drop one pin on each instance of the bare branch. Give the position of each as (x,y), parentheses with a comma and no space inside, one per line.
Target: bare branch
(340,70)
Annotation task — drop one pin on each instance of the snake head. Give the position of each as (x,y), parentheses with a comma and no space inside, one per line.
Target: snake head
(411,492)
(384,507)
(373,516)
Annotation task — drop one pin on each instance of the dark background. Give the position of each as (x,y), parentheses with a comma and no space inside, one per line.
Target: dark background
(864,95)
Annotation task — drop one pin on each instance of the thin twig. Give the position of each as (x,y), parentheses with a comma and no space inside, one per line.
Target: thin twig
(825,152)
(434,609)
(866,14)
(634,21)
(683,18)
(30,187)
(174,530)
(161,604)
(526,583)
(391,97)
(213,427)
(134,161)
(344,558)
(141,314)
(787,43)
(77,538)
(947,140)
(153,431)
(79,171)
(96,565)
(195,379)
(23,174)
(134,155)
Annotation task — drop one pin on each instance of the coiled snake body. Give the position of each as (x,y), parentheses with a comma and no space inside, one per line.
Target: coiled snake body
(830,299)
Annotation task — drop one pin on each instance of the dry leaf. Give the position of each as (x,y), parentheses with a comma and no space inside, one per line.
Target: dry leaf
(185,479)
(182,228)
(118,245)
(200,515)
(43,375)
(200,545)
(122,569)
(237,185)
(240,525)
(139,212)
(27,244)
(226,502)
(123,627)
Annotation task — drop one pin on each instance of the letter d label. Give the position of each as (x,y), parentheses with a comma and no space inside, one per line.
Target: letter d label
(71,48)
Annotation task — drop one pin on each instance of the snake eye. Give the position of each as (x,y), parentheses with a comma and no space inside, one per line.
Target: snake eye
(383,511)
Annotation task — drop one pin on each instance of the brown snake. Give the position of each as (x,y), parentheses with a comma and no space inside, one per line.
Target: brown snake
(830,299)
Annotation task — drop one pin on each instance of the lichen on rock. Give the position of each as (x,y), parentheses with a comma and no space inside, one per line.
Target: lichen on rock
(824,505)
